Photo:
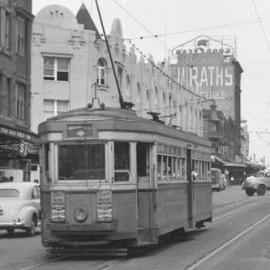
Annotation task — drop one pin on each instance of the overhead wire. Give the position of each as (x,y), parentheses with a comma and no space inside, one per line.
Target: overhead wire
(261,24)
(134,18)
(243,22)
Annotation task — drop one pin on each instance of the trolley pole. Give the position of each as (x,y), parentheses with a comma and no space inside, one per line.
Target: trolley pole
(110,55)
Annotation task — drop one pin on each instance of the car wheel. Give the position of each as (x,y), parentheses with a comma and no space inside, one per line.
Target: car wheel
(250,192)
(31,231)
(10,231)
(261,190)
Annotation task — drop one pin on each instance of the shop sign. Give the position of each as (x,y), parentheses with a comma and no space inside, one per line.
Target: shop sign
(15,133)
(23,148)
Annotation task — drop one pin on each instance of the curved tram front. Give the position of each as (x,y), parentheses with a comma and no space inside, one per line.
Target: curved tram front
(111,181)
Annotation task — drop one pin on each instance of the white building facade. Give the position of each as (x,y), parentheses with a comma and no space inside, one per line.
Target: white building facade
(71,66)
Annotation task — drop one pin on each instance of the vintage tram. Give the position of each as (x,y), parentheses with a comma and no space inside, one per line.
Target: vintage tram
(113,180)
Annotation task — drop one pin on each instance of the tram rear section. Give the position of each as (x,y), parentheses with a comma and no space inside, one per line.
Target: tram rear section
(113,181)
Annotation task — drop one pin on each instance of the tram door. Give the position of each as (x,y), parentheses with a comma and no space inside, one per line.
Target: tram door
(190,187)
(145,194)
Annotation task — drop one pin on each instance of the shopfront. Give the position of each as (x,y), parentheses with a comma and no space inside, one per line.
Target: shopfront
(18,150)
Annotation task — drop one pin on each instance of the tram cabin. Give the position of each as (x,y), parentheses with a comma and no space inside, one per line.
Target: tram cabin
(109,177)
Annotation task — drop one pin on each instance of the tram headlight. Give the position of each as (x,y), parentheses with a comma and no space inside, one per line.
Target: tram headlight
(80,214)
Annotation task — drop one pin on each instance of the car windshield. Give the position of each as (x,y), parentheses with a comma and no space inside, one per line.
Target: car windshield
(9,193)
(259,174)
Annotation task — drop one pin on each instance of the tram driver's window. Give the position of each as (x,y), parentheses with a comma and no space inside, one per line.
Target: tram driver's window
(121,161)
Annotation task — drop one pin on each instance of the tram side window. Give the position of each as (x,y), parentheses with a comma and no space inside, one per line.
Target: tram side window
(81,162)
(159,167)
(121,161)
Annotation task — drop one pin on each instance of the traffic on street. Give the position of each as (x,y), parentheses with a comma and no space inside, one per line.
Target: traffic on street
(236,239)
(134,135)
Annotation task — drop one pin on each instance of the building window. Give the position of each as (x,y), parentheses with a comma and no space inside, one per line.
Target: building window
(20,101)
(101,71)
(20,48)
(138,97)
(147,103)
(9,97)
(54,107)
(7,30)
(156,98)
(120,77)
(2,102)
(56,68)
(128,86)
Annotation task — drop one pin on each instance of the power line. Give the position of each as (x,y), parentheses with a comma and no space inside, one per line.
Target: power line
(261,24)
(243,22)
(165,74)
(143,26)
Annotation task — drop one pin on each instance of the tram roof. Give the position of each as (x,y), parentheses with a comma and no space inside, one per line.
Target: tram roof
(131,123)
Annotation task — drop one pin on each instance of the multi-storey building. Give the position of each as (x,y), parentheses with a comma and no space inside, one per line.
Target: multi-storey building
(244,140)
(15,62)
(209,66)
(220,130)
(71,66)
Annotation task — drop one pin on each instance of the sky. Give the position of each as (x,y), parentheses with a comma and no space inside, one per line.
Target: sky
(178,21)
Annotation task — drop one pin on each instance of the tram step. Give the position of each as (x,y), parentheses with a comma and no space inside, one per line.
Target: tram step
(80,244)
(94,252)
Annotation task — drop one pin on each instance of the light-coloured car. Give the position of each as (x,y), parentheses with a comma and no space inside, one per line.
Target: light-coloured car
(258,183)
(19,207)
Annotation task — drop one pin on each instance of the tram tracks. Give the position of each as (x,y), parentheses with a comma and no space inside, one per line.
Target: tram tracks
(222,247)
(228,211)
(221,214)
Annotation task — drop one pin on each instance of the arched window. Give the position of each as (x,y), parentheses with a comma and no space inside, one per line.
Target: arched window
(138,97)
(128,86)
(164,103)
(170,104)
(101,71)
(147,103)
(156,98)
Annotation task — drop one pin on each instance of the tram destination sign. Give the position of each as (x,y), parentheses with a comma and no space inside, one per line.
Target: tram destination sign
(79,131)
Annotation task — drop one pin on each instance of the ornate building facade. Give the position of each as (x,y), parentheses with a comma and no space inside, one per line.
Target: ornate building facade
(71,66)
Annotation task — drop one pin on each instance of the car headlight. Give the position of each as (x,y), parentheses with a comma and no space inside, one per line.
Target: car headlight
(80,214)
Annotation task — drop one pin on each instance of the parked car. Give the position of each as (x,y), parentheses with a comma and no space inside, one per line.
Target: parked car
(218,179)
(258,183)
(19,207)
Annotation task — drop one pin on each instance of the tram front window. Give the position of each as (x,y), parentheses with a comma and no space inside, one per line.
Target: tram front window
(81,162)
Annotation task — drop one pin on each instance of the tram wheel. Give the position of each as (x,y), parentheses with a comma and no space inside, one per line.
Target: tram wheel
(261,190)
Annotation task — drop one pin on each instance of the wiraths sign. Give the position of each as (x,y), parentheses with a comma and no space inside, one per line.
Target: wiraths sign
(208,67)
(208,81)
